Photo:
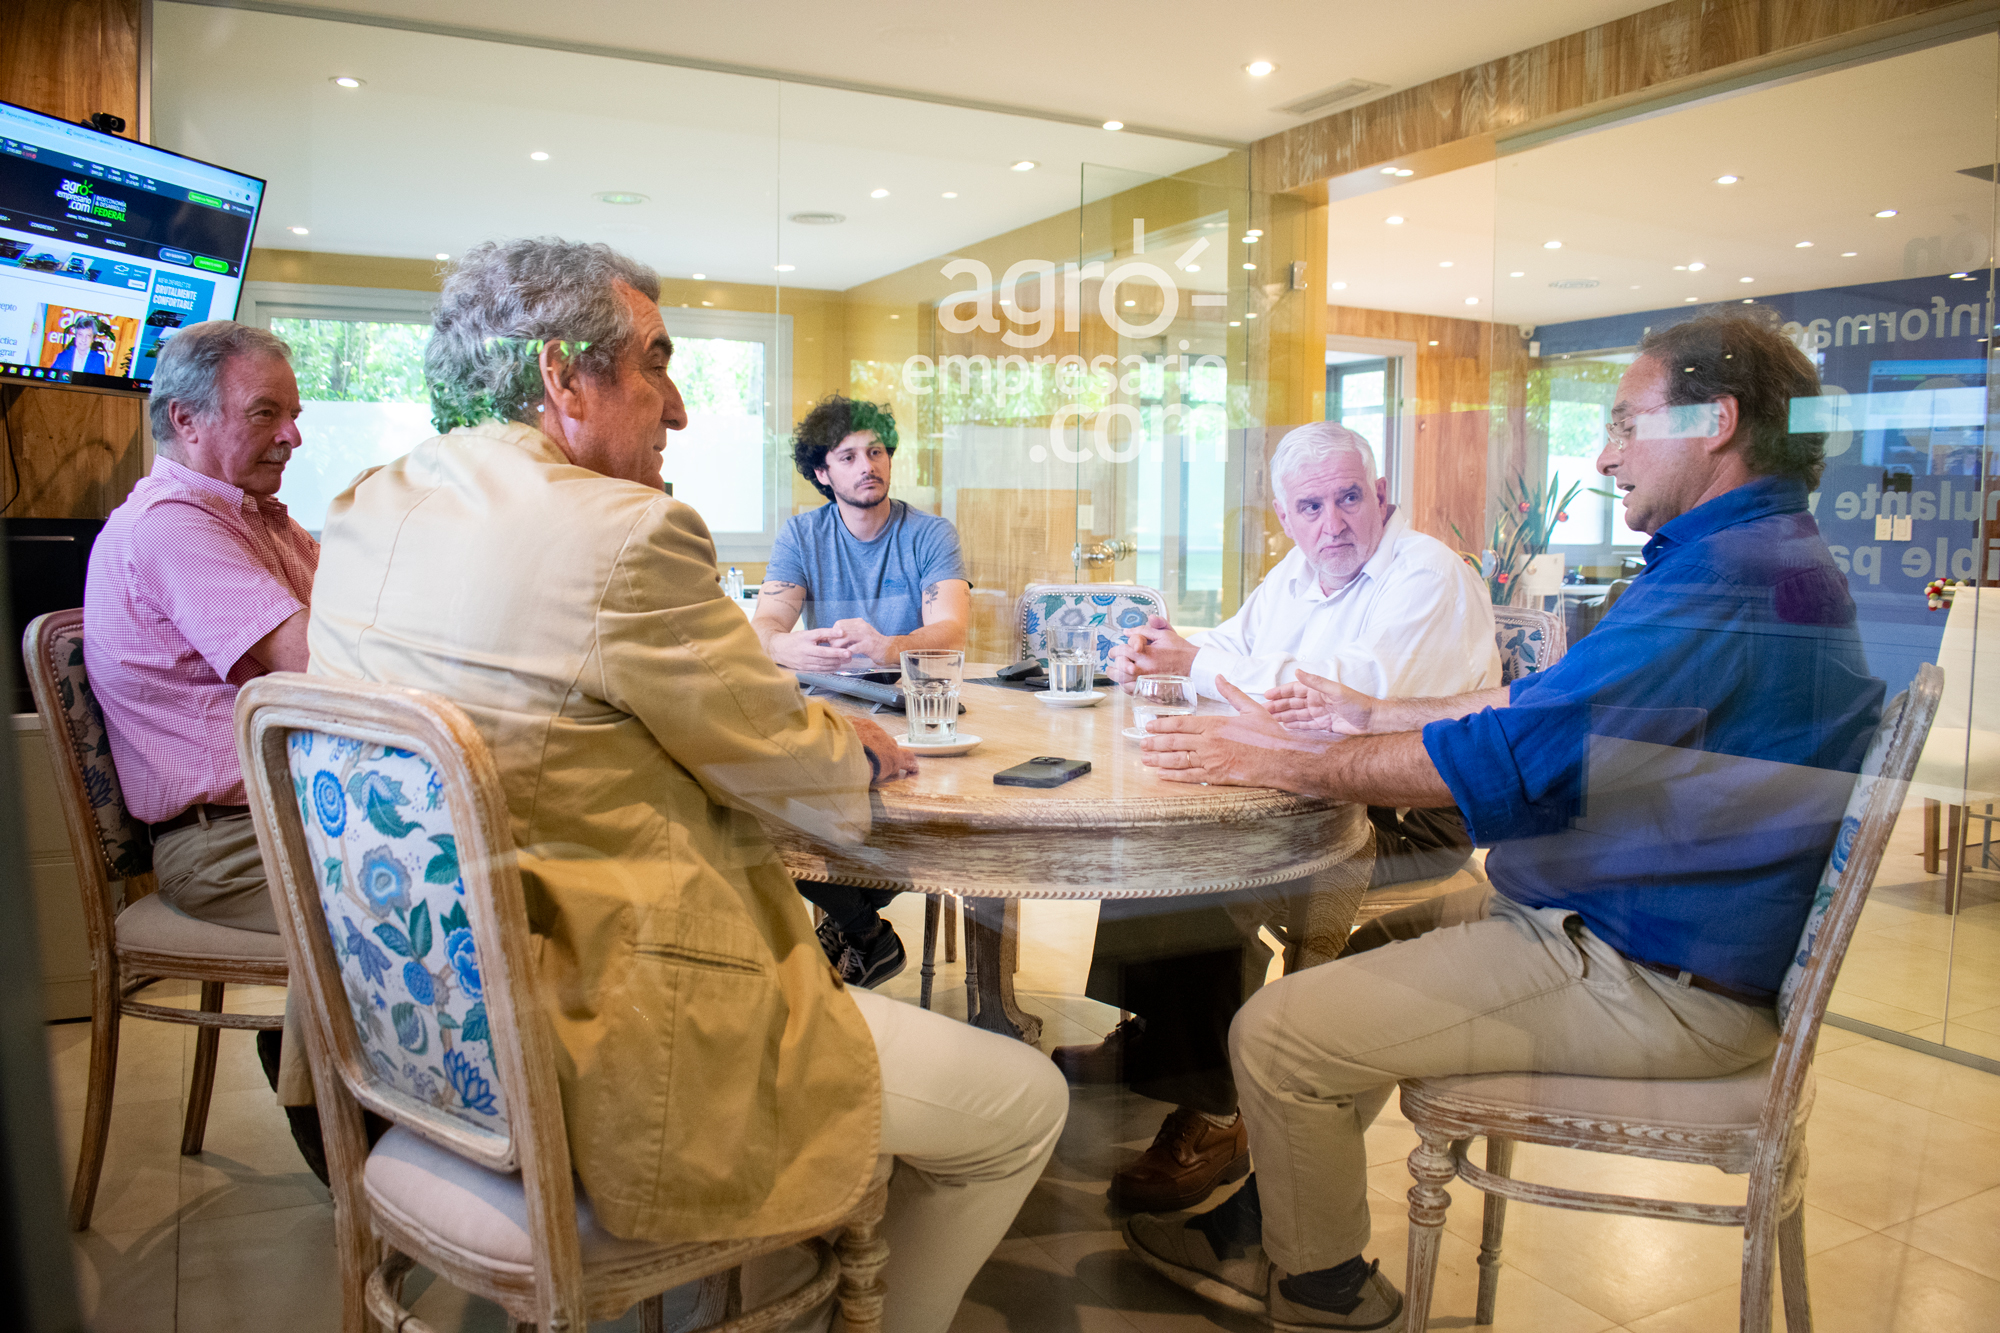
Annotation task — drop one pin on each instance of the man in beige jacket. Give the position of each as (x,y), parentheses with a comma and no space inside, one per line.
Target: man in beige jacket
(718,1080)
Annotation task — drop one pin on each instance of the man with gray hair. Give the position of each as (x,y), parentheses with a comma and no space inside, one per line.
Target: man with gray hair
(718,1080)
(198,583)
(1361,596)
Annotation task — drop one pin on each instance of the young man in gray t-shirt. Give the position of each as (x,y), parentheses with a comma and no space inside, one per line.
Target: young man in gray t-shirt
(873,578)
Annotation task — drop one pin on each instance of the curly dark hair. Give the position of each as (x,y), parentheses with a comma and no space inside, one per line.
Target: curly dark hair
(832,419)
(1742,355)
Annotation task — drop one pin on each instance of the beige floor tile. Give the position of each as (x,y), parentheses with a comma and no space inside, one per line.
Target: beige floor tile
(248,1162)
(1878,1161)
(150,1057)
(260,1272)
(1963,1038)
(127,1281)
(1967,1233)
(1870,1285)
(1958,1091)
(1835,1039)
(139,1188)
(1892,1016)
(1024,1287)
(1910,978)
(1979,1020)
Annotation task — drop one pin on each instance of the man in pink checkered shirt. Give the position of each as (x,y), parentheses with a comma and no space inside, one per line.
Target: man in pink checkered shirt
(198,583)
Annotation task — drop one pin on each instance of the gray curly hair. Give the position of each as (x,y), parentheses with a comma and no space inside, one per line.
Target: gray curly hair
(190,370)
(503,301)
(1314,443)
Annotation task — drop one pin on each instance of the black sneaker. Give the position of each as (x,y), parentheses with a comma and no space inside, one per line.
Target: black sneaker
(869,962)
(831,940)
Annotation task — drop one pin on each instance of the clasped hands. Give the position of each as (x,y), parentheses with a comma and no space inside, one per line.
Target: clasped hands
(834,646)
(1262,745)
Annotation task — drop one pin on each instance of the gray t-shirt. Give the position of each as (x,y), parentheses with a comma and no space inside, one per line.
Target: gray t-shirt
(880,581)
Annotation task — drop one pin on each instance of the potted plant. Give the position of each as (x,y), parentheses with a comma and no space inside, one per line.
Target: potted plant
(1520,534)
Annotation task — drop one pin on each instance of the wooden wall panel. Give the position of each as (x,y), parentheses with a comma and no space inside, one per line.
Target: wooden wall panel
(1649,54)
(73,454)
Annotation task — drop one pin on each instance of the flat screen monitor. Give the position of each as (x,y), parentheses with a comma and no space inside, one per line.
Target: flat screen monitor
(106,248)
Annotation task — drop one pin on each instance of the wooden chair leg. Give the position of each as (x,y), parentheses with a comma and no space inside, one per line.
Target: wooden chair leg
(950,908)
(718,1298)
(1499,1161)
(863,1255)
(1958,825)
(1930,836)
(1792,1271)
(1432,1167)
(202,1085)
(104,1018)
(653,1314)
(927,972)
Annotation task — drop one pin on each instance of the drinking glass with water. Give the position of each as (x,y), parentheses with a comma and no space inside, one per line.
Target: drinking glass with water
(1072,659)
(931,678)
(1161,696)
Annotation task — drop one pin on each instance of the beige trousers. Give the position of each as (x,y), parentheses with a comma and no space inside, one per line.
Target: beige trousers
(971,1118)
(214,872)
(1467,983)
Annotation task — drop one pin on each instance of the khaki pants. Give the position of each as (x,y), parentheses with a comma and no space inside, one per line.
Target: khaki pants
(214,872)
(1467,983)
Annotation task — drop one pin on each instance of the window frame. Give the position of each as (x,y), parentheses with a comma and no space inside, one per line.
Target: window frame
(1399,409)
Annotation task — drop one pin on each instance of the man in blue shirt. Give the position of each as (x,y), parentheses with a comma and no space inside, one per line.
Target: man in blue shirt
(1660,804)
(873,578)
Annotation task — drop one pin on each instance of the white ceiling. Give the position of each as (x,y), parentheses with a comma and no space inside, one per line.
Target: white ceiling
(1817,158)
(1170,64)
(431,154)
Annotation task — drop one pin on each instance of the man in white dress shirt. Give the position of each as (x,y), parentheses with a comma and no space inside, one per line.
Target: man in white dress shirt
(1362,599)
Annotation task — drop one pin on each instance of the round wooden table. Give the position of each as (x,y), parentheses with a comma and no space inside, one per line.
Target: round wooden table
(1117,832)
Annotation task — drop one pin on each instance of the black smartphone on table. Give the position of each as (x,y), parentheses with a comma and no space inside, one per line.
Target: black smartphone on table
(1042,771)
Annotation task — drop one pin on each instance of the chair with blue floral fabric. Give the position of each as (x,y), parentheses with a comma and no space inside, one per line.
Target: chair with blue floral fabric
(383,823)
(146,941)
(1109,608)
(1530,641)
(1752,1122)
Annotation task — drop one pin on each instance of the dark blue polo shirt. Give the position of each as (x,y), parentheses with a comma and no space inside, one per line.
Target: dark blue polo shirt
(1678,778)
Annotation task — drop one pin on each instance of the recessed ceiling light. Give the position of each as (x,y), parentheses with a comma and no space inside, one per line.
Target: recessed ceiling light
(1518,273)
(700,277)
(1249,265)
(443,256)
(1727,180)
(783,268)
(1249,238)
(951,194)
(1746,279)
(1253,231)
(1749,300)
(538,157)
(1434,342)
(1472,300)
(1633,288)
(1444,263)
(1849,254)
(1250,314)
(1128,304)
(1696,267)
(1235,323)
(1394,219)
(1388,171)
(345,81)
(1405,171)
(1114,125)
(1680,268)
(619,197)
(895,317)
(1193,268)
(1257,69)
(878,194)
(298,231)
(1688,299)
(1886,213)
(1024,165)
(1009,301)
(1802,245)
(1552,245)
(1340,286)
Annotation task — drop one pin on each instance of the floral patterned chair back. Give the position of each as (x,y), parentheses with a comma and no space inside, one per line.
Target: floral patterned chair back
(1108,608)
(382,816)
(52,652)
(1530,641)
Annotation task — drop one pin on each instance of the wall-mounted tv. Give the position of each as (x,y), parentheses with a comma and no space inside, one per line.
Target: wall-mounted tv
(107,247)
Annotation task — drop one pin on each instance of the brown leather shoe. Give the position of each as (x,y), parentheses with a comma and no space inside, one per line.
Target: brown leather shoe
(1104,1062)
(1190,1156)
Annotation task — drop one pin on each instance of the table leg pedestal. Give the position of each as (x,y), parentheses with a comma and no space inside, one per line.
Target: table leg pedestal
(992,935)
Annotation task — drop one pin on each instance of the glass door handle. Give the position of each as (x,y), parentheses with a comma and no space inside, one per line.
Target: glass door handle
(1100,553)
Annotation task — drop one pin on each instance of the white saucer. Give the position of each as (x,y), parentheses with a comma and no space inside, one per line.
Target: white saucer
(1054,700)
(962,743)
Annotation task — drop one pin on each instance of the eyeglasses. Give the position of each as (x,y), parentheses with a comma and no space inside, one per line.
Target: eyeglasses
(1618,432)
